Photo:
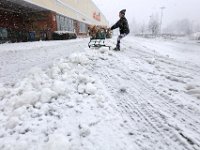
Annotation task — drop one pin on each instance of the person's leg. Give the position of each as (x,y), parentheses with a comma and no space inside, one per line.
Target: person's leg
(121,36)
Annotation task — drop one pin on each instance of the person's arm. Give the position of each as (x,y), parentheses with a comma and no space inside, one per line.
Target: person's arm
(116,25)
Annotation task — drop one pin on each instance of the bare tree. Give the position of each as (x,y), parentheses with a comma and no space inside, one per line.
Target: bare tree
(154,24)
(143,28)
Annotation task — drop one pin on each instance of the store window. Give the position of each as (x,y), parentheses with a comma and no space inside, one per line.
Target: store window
(64,23)
(83,27)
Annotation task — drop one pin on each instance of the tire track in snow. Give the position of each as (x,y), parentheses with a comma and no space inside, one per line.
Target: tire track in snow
(149,116)
(169,101)
(183,115)
(150,119)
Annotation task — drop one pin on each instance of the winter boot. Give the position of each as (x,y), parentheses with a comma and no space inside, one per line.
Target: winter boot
(117,48)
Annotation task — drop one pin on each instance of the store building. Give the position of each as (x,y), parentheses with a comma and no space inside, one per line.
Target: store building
(29,20)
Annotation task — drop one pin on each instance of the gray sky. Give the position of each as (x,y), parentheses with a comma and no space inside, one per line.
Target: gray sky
(140,10)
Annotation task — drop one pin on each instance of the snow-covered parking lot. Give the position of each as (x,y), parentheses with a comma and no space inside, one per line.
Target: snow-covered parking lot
(60,95)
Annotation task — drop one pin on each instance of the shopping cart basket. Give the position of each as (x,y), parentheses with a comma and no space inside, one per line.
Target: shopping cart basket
(98,36)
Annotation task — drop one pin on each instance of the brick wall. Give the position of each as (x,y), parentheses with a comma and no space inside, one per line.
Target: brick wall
(11,20)
(41,22)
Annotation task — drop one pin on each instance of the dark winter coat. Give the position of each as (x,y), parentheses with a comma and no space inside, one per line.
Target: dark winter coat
(123,26)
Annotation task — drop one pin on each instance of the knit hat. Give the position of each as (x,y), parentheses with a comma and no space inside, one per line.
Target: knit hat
(123,11)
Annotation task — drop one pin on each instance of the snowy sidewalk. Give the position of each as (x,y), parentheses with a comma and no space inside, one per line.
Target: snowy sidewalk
(16,59)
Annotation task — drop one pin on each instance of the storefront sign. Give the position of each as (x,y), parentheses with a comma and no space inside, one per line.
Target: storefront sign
(97,16)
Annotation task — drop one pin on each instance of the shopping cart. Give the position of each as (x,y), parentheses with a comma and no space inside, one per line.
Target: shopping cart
(98,36)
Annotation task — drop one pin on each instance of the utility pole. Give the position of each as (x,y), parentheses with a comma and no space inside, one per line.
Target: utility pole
(150,20)
(161,17)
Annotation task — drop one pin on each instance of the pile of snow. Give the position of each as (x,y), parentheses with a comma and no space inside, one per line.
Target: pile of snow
(79,59)
(43,86)
(57,141)
(58,108)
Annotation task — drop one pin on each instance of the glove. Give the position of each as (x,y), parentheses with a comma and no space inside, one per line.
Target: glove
(108,29)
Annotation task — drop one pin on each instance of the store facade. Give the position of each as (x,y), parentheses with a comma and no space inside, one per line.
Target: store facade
(30,20)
